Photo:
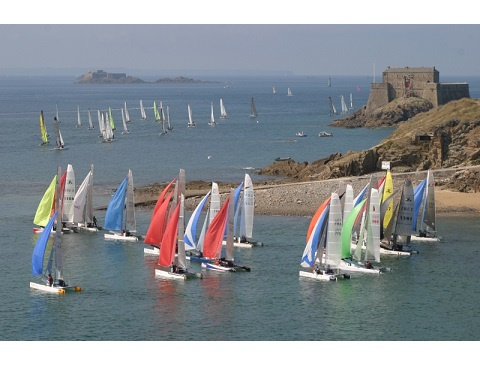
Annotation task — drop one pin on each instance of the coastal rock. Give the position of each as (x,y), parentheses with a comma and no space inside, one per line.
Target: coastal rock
(178,80)
(395,112)
(103,77)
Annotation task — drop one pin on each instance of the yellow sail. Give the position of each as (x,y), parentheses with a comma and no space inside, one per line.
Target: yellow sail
(44,210)
(43,129)
(387,192)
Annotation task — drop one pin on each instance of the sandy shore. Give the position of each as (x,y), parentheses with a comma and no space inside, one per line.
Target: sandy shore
(303,199)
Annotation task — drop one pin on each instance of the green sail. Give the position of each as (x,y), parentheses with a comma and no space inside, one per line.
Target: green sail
(347,229)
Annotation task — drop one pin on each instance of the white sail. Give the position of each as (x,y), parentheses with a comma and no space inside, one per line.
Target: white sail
(333,110)
(253,110)
(212,116)
(127,115)
(142,111)
(214,202)
(191,123)
(169,125)
(124,122)
(130,222)
(429,210)
(333,249)
(403,224)
(289,92)
(223,112)
(79,121)
(344,105)
(248,207)
(90,122)
(274,90)
(351,101)
(83,201)
(372,245)
(68,195)
(348,202)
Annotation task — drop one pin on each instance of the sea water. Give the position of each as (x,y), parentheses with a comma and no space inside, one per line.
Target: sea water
(430,296)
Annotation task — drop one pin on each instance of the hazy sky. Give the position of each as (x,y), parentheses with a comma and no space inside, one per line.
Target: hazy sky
(301,49)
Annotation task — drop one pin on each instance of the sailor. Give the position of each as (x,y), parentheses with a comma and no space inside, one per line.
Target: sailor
(50,279)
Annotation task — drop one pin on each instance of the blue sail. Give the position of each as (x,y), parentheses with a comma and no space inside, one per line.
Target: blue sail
(360,196)
(40,246)
(417,201)
(190,238)
(114,214)
(308,258)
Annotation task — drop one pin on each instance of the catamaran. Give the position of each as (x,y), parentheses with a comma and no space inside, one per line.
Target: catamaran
(120,215)
(343,105)
(79,121)
(142,111)
(83,215)
(90,122)
(156,112)
(289,92)
(43,130)
(191,123)
(127,114)
(48,283)
(124,122)
(424,199)
(169,125)
(58,135)
(253,110)
(333,110)
(211,122)
(223,112)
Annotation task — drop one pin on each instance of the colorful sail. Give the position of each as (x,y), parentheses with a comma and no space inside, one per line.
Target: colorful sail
(158,223)
(46,205)
(169,240)
(347,228)
(417,202)
(308,257)
(114,214)
(40,246)
(214,234)
(190,231)
(155,112)
(387,193)
(110,118)
(43,129)
(316,216)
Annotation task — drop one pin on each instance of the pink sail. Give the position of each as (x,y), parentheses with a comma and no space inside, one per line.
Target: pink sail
(214,235)
(169,240)
(157,226)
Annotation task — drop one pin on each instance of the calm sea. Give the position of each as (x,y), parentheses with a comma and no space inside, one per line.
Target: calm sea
(431,296)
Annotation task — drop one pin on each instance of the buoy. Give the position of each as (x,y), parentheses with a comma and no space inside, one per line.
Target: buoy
(61,291)
(78,288)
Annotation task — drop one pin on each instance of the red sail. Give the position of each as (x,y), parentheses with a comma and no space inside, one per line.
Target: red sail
(316,217)
(161,196)
(157,225)
(214,235)
(169,241)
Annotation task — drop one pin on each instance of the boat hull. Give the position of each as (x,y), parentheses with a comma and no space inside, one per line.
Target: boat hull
(120,237)
(351,266)
(416,238)
(54,289)
(177,276)
(151,251)
(218,268)
(317,276)
(245,244)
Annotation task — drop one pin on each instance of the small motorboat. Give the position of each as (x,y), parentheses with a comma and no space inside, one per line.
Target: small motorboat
(325,134)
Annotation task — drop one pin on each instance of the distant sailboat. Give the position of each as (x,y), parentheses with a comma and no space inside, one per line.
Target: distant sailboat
(127,115)
(79,121)
(110,118)
(289,92)
(90,122)
(274,90)
(223,112)
(253,110)
(329,82)
(191,123)
(58,134)
(343,105)
(351,101)
(156,112)
(83,205)
(212,116)
(124,122)
(43,129)
(333,110)
(169,125)
(142,111)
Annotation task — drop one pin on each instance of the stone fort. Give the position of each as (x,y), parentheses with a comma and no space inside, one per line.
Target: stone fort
(421,82)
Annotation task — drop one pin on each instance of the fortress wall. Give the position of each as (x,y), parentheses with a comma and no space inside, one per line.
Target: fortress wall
(452,91)
(378,97)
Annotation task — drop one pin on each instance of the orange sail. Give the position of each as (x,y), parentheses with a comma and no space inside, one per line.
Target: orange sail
(162,196)
(157,226)
(316,217)
(169,240)
(214,235)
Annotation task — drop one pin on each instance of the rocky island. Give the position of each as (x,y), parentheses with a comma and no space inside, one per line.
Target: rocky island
(103,77)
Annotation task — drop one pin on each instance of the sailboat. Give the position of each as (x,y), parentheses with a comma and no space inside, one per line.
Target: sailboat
(425,199)
(212,116)
(172,267)
(289,92)
(156,112)
(43,130)
(333,110)
(223,112)
(253,110)
(274,91)
(190,238)
(58,135)
(329,82)
(90,122)
(343,105)
(106,129)
(68,194)
(79,121)
(212,248)
(169,125)
(158,221)
(142,111)
(191,123)
(120,215)
(53,284)
(351,101)
(162,119)
(110,119)
(83,205)
(45,208)
(124,122)
(127,114)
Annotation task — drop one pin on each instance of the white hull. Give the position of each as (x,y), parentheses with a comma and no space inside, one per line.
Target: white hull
(151,251)
(54,289)
(318,276)
(39,230)
(424,239)
(170,275)
(384,251)
(86,228)
(246,244)
(120,237)
(354,267)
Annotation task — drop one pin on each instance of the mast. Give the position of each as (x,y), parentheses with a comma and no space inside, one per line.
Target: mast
(58,228)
